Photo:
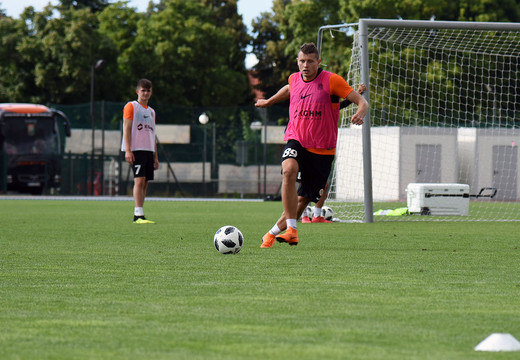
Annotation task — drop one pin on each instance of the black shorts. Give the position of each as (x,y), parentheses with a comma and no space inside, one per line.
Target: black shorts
(143,164)
(314,169)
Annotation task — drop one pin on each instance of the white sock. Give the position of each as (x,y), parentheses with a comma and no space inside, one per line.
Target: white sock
(138,211)
(275,230)
(291,223)
(317,211)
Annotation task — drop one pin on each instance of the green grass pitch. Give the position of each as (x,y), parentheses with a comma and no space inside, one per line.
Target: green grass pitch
(79,280)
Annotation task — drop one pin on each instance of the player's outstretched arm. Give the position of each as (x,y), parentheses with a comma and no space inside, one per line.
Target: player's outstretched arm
(361,89)
(282,95)
(362,109)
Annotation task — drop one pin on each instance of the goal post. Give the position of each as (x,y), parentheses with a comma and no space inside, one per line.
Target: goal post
(444,110)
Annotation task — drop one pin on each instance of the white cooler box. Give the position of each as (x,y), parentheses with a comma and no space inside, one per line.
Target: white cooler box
(438,199)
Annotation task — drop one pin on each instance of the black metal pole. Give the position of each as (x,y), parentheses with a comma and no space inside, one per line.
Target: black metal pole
(257,163)
(214,160)
(93,130)
(102,147)
(265,153)
(204,162)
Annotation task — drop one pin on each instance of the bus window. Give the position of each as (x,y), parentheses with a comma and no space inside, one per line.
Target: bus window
(35,135)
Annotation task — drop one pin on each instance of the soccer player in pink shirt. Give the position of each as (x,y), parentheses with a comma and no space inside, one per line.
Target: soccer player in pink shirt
(311,137)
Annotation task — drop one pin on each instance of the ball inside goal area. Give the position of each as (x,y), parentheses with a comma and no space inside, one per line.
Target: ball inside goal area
(327,213)
(228,240)
(309,211)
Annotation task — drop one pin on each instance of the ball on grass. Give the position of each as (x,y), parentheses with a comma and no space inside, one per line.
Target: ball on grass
(228,240)
(327,213)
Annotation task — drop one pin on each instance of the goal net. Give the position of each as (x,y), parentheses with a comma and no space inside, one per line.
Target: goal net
(443,128)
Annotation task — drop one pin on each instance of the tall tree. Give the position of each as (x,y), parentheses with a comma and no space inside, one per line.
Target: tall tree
(93,5)
(269,45)
(118,23)
(185,52)
(63,50)
(279,33)
(304,19)
(17,76)
(228,20)
(459,10)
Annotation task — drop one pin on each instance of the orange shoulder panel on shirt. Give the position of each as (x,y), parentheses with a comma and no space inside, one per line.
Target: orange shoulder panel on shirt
(339,87)
(128,111)
(290,80)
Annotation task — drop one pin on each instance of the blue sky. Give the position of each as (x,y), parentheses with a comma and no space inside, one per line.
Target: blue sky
(248,8)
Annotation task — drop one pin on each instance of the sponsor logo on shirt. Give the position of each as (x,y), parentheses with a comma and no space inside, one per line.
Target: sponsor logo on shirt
(306,113)
(144,126)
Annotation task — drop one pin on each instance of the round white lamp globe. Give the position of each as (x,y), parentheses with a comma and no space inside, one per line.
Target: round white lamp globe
(256,125)
(203,118)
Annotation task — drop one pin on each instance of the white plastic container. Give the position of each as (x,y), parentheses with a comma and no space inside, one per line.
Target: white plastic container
(438,199)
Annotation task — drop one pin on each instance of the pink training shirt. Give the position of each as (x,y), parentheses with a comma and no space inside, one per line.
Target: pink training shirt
(313,116)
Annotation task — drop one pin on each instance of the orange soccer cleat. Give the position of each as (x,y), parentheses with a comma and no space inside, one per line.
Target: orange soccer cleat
(290,237)
(320,219)
(267,241)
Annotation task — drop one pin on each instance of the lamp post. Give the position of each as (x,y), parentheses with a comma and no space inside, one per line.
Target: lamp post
(265,150)
(255,126)
(214,160)
(98,65)
(204,119)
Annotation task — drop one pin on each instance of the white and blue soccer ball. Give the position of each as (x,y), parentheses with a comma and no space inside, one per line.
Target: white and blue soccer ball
(327,213)
(228,240)
(309,211)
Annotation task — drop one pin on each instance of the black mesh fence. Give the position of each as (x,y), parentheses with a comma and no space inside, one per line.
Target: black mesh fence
(227,138)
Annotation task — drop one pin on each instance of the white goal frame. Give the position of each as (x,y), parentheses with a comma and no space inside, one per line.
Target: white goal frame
(364,77)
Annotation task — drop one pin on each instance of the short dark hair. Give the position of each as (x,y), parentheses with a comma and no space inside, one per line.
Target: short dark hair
(144,84)
(310,48)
